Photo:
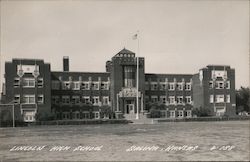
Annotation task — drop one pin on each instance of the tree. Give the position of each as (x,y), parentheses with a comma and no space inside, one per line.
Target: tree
(243,100)
(202,112)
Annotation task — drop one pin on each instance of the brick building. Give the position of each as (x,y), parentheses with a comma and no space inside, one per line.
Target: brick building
(38,92)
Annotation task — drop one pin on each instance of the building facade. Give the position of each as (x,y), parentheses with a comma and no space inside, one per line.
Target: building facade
(38,92)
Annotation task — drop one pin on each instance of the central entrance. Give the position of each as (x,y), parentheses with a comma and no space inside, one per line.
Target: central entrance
(130,107)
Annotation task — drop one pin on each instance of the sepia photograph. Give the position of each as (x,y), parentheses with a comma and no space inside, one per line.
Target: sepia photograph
(124,80)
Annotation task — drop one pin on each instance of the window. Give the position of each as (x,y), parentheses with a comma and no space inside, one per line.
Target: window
(188,113)
(180,114)
(95,85)
(65,100)
(172,114)
(97,115)
(16,82)
(219,84)
(219,98)
(179,86)
(55,99)
(29,82)
(40,82)
(96,100)
(76,86)
(104,86)
(211,99)
(75,100)
(66,85)
(188,100)
(162,86)
(85,86)
(171,86)
(179,99)
(228,85)
(188,86)
(211,84)
(154,99)
(228,99)
(85,99)
(105,100)
(40,99)
(171,99)
(154,86)
(17,99)
(29,99)
(163,99)
(55,85)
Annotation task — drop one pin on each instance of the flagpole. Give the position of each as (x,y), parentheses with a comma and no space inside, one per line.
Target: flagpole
(137,77)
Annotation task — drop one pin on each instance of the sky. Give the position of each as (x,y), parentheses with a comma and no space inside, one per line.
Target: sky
(180,36)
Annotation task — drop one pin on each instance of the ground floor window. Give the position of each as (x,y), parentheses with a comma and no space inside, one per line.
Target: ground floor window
(29,116)
(85,115)
(97,115)
(172,114)
(188,113)
(76,115)
(65,115)
(180,114)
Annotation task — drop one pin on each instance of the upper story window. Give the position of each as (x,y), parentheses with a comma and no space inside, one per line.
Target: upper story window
(17,99)
(179,86)
(65,100)
(219,98)
(29,99)
(228,85)
(76,86)
(179,99)
(29,82)
(40,99)
(163,99)
(171,86)
(219,84)
(104,86)
(40,82)
(85,99)
(66,85)
(55,100)
(188,86)
(162,86)
(211,99)
(228,99)
(55,85)
(96,100)
(171,99)
(85,85)
(211,84)
(154,99)
(154,86)
(75,100)
(188,100)
(95,85)
(16,82)
(105,100)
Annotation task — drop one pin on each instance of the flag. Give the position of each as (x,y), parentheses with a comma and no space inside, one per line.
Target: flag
(134,37)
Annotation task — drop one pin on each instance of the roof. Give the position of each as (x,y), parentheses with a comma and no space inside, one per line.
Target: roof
(124,51)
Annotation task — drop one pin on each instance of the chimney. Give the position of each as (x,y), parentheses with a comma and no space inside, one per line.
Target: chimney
(65,63)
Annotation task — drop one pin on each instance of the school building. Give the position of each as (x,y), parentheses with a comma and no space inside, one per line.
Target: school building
(37,92)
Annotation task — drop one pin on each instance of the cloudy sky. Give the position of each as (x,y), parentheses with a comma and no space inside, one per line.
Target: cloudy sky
(175,36)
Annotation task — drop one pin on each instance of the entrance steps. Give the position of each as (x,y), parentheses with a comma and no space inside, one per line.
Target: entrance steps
(142,119)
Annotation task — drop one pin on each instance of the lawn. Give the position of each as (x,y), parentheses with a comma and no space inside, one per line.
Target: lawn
(182,141)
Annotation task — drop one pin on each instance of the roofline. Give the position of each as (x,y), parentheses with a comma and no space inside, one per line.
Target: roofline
(79,72)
